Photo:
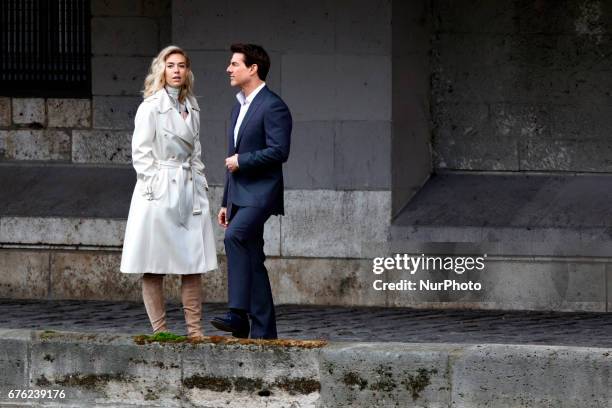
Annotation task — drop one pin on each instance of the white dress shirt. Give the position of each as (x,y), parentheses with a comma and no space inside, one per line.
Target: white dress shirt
(245,102)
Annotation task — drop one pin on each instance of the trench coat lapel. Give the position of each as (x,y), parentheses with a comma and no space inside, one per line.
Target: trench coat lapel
(165,104)
(255,104)
(194,114)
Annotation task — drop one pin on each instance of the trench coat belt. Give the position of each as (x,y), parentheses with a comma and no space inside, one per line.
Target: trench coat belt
(182,169)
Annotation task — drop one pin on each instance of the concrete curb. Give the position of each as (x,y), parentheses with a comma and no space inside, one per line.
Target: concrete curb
(112,370)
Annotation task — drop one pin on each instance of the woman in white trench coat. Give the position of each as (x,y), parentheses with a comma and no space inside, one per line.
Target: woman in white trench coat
(169,229)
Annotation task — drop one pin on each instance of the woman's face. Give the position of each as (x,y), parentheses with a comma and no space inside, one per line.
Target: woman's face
(176,70)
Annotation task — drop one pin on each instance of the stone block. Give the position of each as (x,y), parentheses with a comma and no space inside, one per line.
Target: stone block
(35,145)
(512,375)
(583,122)
(323,282)
(24,274)
(14,362)
(360,80)
(213,138)
(202,25)
(92,275)
(106,367)
(243,13)
(217,97)
(335,224)
(115,8)
(477,153)
(411,161)
(82,232)
(286,26)
(73,113)
(157,8)
(124,36)
(309,86)
(115,112)
(521,122)
(101,146)
(118,75)
(5,111)
(311,160)
(301,29)
(455,121)
(510,284)
(484,18)
(592,155)
(29,111)
(363,27)
(362,155)
(411,29)
(165,27)
(386,374)
(230,376)
(609,286)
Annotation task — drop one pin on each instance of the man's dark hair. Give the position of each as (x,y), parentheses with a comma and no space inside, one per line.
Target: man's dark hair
(254,54)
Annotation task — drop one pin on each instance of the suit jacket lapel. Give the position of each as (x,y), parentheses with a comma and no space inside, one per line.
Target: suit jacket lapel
(230,131)
(255,103)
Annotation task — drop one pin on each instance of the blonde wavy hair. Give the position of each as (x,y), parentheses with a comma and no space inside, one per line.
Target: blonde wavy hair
(156,79)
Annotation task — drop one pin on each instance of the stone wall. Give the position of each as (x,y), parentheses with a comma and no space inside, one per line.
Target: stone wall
(331,63)
(125,36)
(522,85)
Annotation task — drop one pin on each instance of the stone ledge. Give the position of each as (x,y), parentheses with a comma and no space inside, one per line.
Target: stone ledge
(553,284)
(102,369)
(538,215)
(84,205)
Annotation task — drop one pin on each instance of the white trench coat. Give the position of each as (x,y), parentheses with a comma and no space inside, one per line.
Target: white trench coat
(169,227)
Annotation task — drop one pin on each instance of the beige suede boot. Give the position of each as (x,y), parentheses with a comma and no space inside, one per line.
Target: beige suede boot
(153,296)
(191,295)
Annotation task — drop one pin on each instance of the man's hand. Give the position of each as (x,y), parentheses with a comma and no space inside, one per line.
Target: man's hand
(232,163)
(222,217)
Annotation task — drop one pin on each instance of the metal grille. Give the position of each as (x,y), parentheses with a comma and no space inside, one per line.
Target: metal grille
(45,48)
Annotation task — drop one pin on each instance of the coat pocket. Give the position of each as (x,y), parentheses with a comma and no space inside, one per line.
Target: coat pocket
(156,187)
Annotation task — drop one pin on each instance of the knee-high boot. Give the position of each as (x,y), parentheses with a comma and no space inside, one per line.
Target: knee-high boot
(191,295)
(153,296)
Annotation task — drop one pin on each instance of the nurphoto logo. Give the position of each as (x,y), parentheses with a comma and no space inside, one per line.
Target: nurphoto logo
(412,264)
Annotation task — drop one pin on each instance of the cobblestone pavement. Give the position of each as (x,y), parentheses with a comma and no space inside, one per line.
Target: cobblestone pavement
(331,323)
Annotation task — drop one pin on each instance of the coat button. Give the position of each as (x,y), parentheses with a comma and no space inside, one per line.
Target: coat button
(173,180)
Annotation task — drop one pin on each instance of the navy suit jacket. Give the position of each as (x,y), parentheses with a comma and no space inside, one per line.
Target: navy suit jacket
(262,146)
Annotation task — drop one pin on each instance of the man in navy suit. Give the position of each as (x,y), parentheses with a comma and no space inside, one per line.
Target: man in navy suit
(259,138)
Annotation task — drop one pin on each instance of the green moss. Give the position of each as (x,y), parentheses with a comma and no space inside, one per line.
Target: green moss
(217,384)
(161,337)
(42,381)
(417,383)
(352,379)
(386,382)
(151,396)
(298,385)
(248,384)
(91,381)
(47,334)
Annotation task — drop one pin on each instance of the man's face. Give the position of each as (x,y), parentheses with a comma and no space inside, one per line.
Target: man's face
(238,72)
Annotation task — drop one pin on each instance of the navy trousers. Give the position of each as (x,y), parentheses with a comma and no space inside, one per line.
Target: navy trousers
(248,283)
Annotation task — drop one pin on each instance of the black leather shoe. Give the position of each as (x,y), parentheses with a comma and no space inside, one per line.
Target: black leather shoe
(234,323)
